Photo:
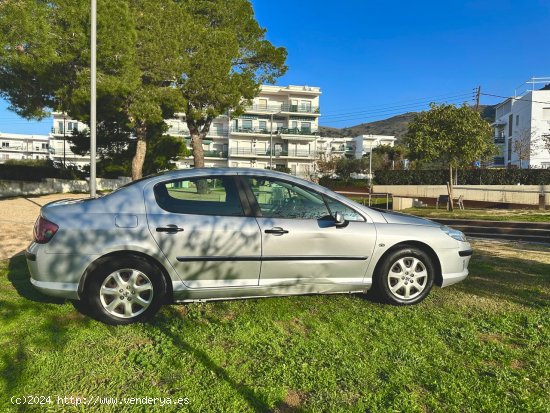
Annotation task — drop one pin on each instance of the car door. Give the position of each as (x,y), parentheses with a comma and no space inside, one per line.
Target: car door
(301,242)
(201,227)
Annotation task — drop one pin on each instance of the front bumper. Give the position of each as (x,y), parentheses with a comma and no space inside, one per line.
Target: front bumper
(454,264)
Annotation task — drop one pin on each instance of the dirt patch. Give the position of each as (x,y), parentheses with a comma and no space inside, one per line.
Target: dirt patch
(17,217)
(291,403)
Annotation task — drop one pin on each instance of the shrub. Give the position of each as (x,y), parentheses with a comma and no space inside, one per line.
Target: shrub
(465,177)
(35,171)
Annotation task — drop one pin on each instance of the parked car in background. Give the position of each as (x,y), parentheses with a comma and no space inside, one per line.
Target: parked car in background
(210,234)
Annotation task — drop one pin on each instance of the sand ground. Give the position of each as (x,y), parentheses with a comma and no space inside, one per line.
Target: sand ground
(17,217)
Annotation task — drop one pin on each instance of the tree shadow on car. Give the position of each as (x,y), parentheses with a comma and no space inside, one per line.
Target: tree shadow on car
(20,278)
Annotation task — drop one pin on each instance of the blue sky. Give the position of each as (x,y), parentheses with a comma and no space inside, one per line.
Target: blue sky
(374,59)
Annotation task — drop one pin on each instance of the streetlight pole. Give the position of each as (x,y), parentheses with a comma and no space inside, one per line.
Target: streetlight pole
(93,101)
(64,140)
(370,168)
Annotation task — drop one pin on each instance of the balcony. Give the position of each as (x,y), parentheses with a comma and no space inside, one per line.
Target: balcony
(215,154)
(277,152)
(254,131)
(283,107)
(298,131)
(59,131)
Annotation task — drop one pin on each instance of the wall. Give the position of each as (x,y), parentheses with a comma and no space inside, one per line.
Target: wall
(512,194)
(53,186)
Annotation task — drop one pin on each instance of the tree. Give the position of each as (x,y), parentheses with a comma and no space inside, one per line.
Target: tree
(457,136)
(523,144)
(386,156)
(326,164)
(226,60)
(45,59)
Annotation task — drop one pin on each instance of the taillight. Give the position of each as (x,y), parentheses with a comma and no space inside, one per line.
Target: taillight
(44,230)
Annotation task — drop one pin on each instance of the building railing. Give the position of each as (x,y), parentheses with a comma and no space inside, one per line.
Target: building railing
(499,139)
(59,131)
(23,149)
(283,107)
(251,130)
(298,131)
(215,154)
(299,153)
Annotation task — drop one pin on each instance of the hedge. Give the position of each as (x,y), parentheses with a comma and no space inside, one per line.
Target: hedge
(17,172)
(465,177)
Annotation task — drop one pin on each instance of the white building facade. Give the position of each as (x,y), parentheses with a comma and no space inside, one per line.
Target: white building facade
(278,130)
(15,146)
(60,147)
(520,124)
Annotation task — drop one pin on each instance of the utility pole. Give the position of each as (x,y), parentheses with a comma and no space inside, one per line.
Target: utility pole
(478,94)
(93,101)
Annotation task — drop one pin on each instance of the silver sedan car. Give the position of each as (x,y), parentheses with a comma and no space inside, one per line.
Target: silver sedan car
(211,234)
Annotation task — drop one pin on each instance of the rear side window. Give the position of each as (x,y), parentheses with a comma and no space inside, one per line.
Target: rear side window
(200,196)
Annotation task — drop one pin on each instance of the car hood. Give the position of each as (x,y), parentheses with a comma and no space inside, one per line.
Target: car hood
(392,217)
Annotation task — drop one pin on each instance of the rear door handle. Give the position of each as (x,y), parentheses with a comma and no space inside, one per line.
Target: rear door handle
(170,229)
(276,231)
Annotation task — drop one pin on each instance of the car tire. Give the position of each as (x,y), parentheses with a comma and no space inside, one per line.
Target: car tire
(405,277)
(125,290)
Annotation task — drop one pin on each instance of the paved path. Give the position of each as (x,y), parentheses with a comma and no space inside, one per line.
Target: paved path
(17,217)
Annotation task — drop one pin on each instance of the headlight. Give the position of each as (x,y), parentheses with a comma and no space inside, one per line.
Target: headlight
(453,233)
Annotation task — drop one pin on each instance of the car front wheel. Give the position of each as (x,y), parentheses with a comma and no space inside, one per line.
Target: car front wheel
(125,290)
(406,277)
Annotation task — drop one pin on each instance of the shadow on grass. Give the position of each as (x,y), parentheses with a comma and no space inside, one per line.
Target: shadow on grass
(520,281)
(256,401)
(36,327)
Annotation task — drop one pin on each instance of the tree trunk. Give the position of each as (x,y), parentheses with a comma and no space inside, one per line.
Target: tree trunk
(198,152)
(450,189)
(139,156)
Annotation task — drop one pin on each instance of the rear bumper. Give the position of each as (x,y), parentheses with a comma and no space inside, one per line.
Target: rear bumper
(57,289)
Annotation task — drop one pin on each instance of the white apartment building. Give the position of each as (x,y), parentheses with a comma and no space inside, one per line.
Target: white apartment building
(60,147)
(524,118)
(279,129)
(17,146)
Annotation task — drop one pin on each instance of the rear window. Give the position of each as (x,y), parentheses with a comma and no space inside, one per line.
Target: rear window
(200,196)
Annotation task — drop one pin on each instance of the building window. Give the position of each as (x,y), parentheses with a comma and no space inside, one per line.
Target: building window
(60,127)
(517,120)
(247,124)
(262,103)
(263,125)
(546,113)
(5,144)
(294,124)
(44,146)
(306,127)
(72,126)
(510,124)
(509,148)
(306,106)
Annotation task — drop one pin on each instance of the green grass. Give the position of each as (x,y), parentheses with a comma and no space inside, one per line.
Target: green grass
(524,215)
(481,345)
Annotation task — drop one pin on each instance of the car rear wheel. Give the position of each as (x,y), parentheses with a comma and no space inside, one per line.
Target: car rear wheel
(125,290)
(405,277)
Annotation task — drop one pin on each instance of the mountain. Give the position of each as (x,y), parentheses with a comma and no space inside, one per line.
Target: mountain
(394,126)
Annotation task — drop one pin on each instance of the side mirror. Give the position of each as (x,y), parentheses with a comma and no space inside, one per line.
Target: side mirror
(339,220)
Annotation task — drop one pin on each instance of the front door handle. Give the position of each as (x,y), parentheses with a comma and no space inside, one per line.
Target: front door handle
(276,231)
(170,229)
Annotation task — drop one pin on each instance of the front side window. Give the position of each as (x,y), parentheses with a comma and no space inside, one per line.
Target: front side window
(199,196)
(280,199)
(348,213)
